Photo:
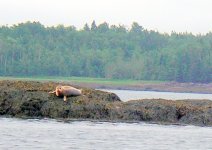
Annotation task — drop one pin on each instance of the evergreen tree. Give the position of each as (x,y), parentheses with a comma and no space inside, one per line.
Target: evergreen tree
(93,26)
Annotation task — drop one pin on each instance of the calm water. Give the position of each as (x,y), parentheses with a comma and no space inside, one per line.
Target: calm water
(44,134)
(126,95)
(49,134)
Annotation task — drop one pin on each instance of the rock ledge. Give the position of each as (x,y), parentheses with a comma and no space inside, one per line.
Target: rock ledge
(31,99)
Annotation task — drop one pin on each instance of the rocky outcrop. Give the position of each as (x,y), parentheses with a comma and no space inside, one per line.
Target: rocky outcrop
(196,112)
(31,99)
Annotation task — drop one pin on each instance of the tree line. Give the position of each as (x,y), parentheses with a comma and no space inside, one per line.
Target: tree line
(31,49)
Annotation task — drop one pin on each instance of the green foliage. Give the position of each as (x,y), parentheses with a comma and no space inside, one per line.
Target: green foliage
(30,49)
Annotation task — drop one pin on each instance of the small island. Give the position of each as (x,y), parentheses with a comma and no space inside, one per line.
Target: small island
(30,99)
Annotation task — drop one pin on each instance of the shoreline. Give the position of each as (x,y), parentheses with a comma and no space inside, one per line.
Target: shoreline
(157,87)
(100,83)
(68,120)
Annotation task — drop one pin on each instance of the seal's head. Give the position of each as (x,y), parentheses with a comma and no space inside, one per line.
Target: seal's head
(59,90)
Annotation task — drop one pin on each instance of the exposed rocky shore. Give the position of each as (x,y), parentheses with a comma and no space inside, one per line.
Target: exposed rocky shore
(31,99)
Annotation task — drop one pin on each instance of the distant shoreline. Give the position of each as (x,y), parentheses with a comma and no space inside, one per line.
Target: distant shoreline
(101,83)
(159,87)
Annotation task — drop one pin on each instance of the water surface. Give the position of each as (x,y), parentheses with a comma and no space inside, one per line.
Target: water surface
(126,95)
(50,134)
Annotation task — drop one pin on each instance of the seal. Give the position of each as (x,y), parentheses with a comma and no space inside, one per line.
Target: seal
(66,91)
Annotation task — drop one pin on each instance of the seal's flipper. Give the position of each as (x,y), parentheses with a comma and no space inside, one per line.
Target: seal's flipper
(65,98)
(52,92)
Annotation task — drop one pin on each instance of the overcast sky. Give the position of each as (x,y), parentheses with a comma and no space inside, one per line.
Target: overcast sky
(161,15)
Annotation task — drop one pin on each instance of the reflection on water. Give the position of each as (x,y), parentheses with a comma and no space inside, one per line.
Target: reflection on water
(51,134)
(126,95)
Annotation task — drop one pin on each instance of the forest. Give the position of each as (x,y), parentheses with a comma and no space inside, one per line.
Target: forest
(106,51)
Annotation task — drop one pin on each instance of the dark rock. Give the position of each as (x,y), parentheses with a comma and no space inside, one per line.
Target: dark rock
(31,99)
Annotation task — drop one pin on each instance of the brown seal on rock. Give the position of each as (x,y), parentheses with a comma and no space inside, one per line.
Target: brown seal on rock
(66,91)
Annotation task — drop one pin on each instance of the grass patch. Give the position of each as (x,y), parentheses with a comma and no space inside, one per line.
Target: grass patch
(103,81)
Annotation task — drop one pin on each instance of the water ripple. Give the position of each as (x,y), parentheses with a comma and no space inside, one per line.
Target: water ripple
(52,134)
